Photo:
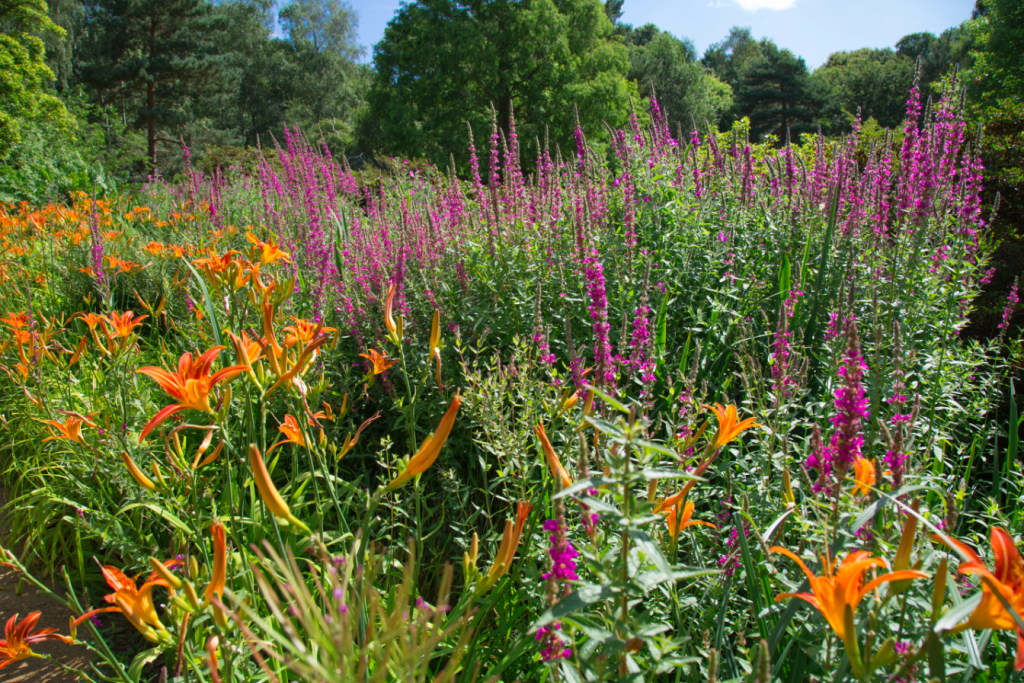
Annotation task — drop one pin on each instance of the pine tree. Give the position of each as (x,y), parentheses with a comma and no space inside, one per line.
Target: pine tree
(155,58)
(777,93)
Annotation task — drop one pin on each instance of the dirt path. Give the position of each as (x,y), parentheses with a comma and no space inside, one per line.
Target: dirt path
(53,616)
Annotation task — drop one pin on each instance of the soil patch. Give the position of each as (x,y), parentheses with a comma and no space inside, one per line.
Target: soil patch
(54,615)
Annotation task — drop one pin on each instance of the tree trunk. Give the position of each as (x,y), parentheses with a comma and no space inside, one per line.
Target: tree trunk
(151,100)
(151,105)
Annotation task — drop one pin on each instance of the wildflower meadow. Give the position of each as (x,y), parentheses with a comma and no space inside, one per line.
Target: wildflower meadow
(674,407)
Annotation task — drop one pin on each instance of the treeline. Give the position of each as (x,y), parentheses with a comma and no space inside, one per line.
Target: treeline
(137,85)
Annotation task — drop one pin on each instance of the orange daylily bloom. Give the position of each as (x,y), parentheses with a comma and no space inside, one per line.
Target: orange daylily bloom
(557,471)
(17,321)
(19,638)
(124,324)
(190,385)
(303,332)
(247,349)
(214,265)
(844,587)
(729,426)
(677,523)
(155,248)
(430,448)
(92,320)
(71,429)
(268,251)
(380,363)
(509,542)
(864,475)
(292,432)
(134,602)
(1008,579)
(288,367)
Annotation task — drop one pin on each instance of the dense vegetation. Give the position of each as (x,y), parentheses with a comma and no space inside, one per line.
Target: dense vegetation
(725,389)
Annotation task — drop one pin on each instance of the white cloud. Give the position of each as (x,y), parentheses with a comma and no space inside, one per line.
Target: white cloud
(776,5)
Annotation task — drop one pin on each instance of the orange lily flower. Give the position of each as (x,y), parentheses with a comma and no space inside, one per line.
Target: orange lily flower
(557,471)
(729,426)
(303,333)
(864,475)
(134,602)
(71,429)
(94,321)
(17,321)
(155,248)
(247,349)
(268,251)
(124,324)
(286,367)
(19,638)
(190,385)
(1008,579)
(677,523)
(429,449)
(509,542)
(213,265)
(836,590)
(292,432)
(380,363)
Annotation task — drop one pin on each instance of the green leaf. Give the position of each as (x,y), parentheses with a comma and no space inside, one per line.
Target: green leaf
(646,544)
(162,513)
(584,596)
(957,615)
(819,282)
(209,303)
(607,398)
(661,328)
(141,660)
(650,474)
(586,484)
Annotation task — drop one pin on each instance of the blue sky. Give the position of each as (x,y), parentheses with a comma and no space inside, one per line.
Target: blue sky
(812,29)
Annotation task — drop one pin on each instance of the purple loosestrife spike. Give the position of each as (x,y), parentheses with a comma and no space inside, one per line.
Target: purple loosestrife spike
(562,552)
(604,366)
(1011,304)
(851,404)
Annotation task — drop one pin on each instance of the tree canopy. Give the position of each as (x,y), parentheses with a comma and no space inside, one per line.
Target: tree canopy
(443,63)
(24,75)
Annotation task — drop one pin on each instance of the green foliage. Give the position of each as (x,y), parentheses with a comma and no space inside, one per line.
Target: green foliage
(157,57)
(776,93)
(874,81)
(938,55)
(26,103)
(443,63)
(686,90)
(728,57)
(998,51)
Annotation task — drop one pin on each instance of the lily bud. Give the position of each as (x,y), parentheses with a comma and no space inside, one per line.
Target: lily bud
(165,573)
(133,469)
